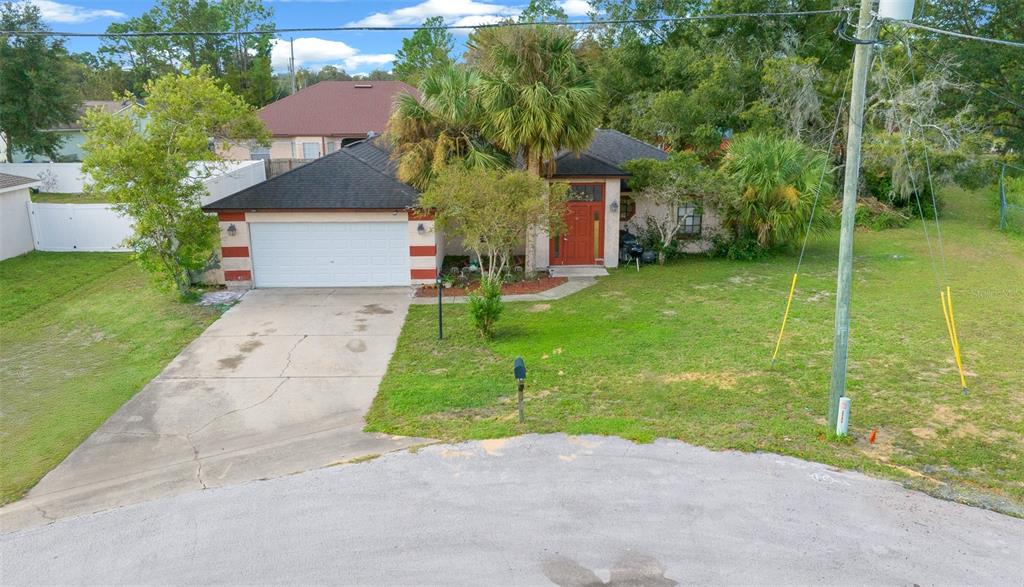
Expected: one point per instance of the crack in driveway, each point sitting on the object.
(288, 359)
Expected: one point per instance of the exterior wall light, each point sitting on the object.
(421, 229)
(232, 231)
(615, 206)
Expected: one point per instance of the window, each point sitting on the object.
(259, 152)
(310, 150)
(627, 208)
(689, 220)
(331, 146)
(586, 192)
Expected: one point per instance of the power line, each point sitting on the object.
(357, 28)
(912, 25)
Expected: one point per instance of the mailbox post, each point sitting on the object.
(440, 315)
(519, 370)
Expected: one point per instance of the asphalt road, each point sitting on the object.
(535, 510)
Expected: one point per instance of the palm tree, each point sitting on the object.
(778, 179)
(442, 127)
(535, 97)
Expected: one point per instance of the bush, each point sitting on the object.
(742, 248)
(649, 237)
(874, 214)
(778, 179)
(485, 306)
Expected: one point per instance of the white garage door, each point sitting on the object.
(329, 254)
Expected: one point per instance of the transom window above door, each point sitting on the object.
(586, 192)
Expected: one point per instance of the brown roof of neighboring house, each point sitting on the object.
(8, 181)
(334, 108)
(109, 106)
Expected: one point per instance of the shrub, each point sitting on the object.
(874, 214)
(778, 181)
(742, 248)
(485, 306)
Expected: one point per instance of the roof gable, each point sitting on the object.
(334, 108)
(340, 180)
(607, 153)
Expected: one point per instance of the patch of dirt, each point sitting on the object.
(723, 380)
(668, 312)
(519, 287)
(819, 296)
(924, 433)
(540, 308)
(493, 446)
(743, 279)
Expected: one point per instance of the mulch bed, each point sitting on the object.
(519, 287)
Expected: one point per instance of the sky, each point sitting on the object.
(355, 52)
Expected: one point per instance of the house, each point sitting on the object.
(346, 220)
(15, 224)
(70, 149)
(322, 118)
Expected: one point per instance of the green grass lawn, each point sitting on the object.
(80, 333)
(683, 351)
(66, 198)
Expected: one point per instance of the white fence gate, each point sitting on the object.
(78, 227)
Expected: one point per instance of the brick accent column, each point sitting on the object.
(423, 257)
(234, 249)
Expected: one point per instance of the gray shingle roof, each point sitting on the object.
(362, 176)
(12, 181)
(359, 176)
(605, 156)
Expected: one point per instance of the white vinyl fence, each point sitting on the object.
(78, 227)
(62, 178)
(98, 227)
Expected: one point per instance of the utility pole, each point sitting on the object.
(867, 30)
(291, 62)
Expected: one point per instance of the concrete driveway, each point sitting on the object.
(277, 385)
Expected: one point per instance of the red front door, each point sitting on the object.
(583, 241)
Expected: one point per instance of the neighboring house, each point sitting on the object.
(346, 220)
(70, 149)
(15, 224)
(322, 118)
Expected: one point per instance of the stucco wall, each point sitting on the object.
(15, 226)
(709, 224)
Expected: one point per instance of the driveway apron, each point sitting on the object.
(278, 385)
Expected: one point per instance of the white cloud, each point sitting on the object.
(313, 51)
(71, 14)
(576, 7)
(451, 10)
